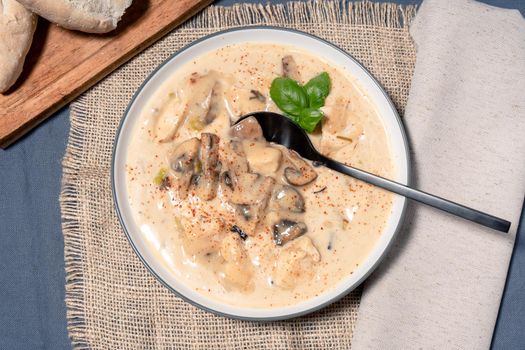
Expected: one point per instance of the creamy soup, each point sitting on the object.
(238, 219)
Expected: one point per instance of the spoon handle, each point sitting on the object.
(420, 196)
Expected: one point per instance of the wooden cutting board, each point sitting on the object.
(62, 64)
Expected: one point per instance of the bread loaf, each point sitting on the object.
(92, 16)
(17, 26)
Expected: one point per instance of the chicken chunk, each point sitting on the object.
(263, 159)
(236, 272)
(296, 263)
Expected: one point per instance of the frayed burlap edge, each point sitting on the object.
(388, 15)
(70, 209)
(366, 13)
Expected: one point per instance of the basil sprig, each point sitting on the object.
(301, 103)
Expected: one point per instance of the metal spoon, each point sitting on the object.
(279, 129)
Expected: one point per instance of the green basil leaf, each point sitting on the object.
(288, 95)
(317, 89)
(309, 118)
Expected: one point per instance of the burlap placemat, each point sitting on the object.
(112, 300)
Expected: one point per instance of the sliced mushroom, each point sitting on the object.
(286, 198)
(247, 129)
(226, 182)
(207, 180)
(234, 158)
(184, 155)
(286, 230)
(245, 211)
(297, 171)
(290, 69)
(182, 162)
(243, 235)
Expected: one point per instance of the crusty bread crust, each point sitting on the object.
(17, 26)
(92, 16)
